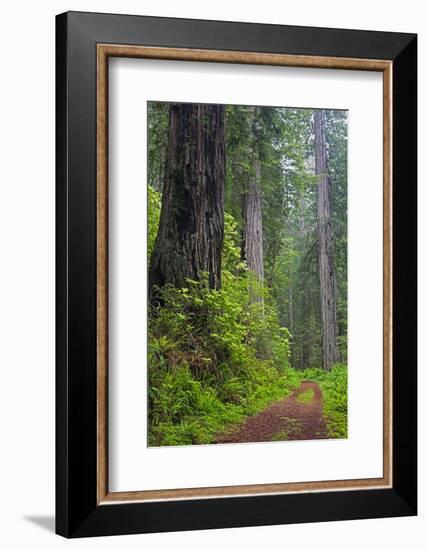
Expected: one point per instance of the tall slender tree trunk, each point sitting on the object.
(325, 254)
(252, 234)
(290, 304)
(307, 333)
(191, 226)
(252, 244)
(291, 316)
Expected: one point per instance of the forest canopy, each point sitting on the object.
(247, 262)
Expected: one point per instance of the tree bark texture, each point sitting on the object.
(325, 254)
(252, 243)
(252, 233)
(191, 226)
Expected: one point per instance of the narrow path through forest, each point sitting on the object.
(298, 416)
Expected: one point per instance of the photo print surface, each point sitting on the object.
(247, 274)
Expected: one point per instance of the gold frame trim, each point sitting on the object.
(104, 51)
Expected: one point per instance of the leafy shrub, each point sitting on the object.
(335, 392)
(153, 208)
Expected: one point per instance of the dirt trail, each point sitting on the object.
(289, 419)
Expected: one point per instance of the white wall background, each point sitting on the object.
(27, 272)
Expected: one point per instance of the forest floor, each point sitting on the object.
(297, 417)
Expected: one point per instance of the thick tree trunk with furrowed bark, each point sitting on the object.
(325, 253)
(191, 226)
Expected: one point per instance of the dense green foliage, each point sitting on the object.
(213, 358)
(217, 356)
(153, 206)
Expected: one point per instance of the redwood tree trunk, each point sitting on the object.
(325, 254)
(252, 242)
(191, 226)
(252, 233)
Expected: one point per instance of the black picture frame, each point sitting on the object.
(77, 511)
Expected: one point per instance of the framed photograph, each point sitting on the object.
(236, 274)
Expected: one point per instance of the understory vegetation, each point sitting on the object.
(213, 358)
